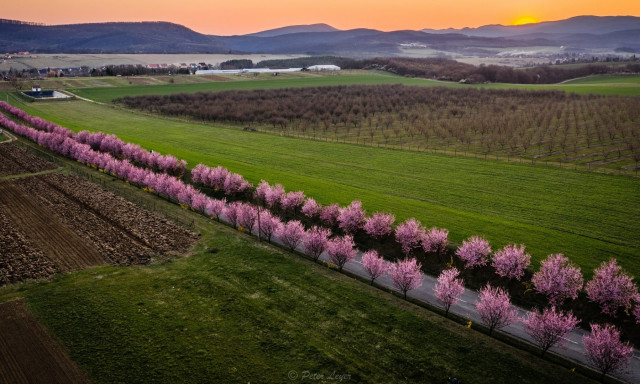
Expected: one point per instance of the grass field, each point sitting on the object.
(105, 89)
(250, 82)
(252, 313)
(590, 217)
(607, 80)
(630, 87)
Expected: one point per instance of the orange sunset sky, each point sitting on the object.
(246, 16)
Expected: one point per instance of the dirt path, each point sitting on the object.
(9, 135)
(28, 354)
(59, 243)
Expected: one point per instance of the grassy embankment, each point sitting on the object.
(587, 216)
(254, 313)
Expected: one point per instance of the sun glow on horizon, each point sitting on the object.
(525, 20)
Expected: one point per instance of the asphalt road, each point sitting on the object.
(573, 348)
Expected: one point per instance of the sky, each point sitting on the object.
(233, 17)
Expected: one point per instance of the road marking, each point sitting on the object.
(569, 340)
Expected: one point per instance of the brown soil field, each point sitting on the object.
(121, 232)
(19, 259)
(28, 354)
(215, 77)
(144, 227)
(60, 244)
(53, 223)
(15, 160)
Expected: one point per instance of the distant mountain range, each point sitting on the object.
(596, 25)
(577, 34)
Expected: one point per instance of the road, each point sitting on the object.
(572, 350)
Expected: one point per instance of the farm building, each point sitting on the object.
(323, 68)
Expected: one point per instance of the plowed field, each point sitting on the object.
(28, 354)
(15, 160)
(61, 245)
(54, 223)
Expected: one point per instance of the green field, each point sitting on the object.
(104, 94)
(108, 93)
(251, 313)
(589, 217)
(607, 80)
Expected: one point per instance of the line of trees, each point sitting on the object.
(557, 279)
(102, 142)
(451, 70)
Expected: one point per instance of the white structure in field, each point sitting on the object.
(252, 70)
(323, 68)
(267, 70)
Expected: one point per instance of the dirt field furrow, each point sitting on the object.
(116, 247)
(11, 371)
(28, 354)
(52, 223)
(59, 243)
(15, 160)
(19, 259)
(8, 166)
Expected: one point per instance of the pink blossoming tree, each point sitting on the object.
(351, 218)
(409, 235)
(215, 207)
(291, 234)
(549, 327)
(375, 265)
(558, 279)
(494, 307)
(611, 288)
(406, 275)
(311, 208)
(436, 240)
(247, 216)
(268, 224)
(449, 288)
(329, 214)
(274, 195)
(379, 224)
(316, 241)
(231, 213)
(474, 252)
(605, 350)
(292, 200)
(341, 250)
(511, 261)
(261, 191)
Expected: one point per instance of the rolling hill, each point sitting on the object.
(143, 37)
(295, 29)
(579, 34)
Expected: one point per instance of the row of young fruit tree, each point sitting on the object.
(263, 210)
(590, 130)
